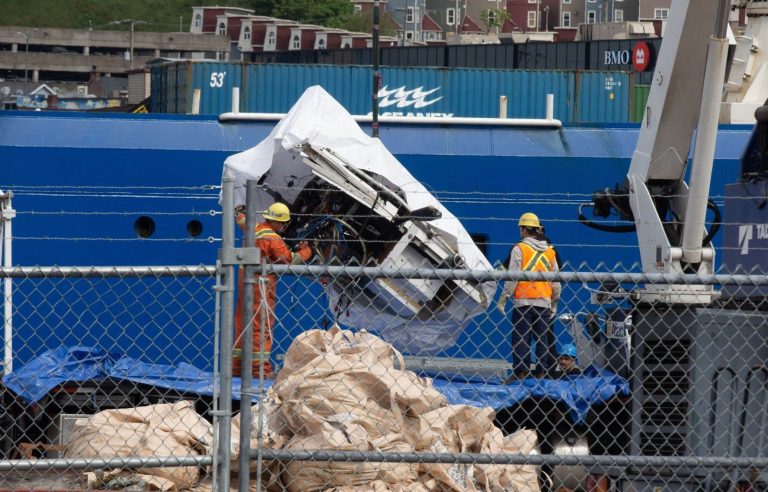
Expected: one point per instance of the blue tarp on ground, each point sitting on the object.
(77, 364)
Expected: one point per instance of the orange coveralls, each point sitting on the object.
(274, 250)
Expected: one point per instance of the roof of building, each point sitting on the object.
(509, 26)
(470, 25)
(428, 24)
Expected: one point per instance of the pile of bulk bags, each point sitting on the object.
(338, 390)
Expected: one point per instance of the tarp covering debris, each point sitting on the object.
(78, 364)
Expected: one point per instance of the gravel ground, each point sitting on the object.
(39, 480)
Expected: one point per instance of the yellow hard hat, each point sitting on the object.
(278, 212)
(529, 220)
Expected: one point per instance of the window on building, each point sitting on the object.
(409, 15)
(618, 15)
(198, 20)
(662, 14)
(321, 43)
(222, 28)
(591, 17)
(296, 42)
(246, 32)
(532, 18)
(347, 46)
(450, 16)
(566, 1)
(408, 34)
(357, 7)
(566, 19)
(271, 38)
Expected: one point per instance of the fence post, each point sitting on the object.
(246, 361)
(7, 213)
(227, 306)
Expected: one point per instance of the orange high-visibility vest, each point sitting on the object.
(535, 261)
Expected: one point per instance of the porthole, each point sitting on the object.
(194, 228)
(144, 226)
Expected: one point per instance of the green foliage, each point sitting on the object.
(328, 13)
(164, 15)
(160, 15)
(493, 18)
(363, 22)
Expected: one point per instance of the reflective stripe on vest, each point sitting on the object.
(535, 261)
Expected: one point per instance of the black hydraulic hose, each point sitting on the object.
(604, 227)
(716, 221)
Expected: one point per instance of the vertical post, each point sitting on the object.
(246, 362)
(538, 15)
(7, 214)
(181, 23)
(131, 49)
(235, 100)
(26, 57)
(456, 18)
(26, 53)
(264, 318)
(376, 71)
(502, 107)
(196, 101)
(227, 323)
(550, 107)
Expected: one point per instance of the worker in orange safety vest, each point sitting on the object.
(534, 302)
(273, 250)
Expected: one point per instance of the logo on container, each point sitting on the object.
(745, 235)
(641, 56)
(409, 100)
(403, 97)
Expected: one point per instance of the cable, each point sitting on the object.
(604, 227)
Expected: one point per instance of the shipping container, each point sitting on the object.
(608, 55)
(638, 101)
(603, 97)
(174, 85)
(406, 91)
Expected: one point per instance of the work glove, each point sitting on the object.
(552, 309)
(240, 215)
(501, 306)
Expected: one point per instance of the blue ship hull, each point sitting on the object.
(81, 181)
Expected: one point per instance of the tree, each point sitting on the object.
(363, 22)
(262, 7)
(328, 13)
(493, 18)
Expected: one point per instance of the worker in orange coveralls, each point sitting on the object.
(273, 250)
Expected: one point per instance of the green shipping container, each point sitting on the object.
(639, 98)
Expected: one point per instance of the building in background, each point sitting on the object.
(410, 15)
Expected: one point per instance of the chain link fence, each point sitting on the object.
(385, 377)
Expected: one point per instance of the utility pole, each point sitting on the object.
(538, 15)
(132, 23)
(376, 72)
(26, 53)
(181, 23)
(456, 18)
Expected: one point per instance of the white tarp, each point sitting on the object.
(320, 120)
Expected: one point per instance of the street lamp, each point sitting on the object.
(26, 53)
(132, 22)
